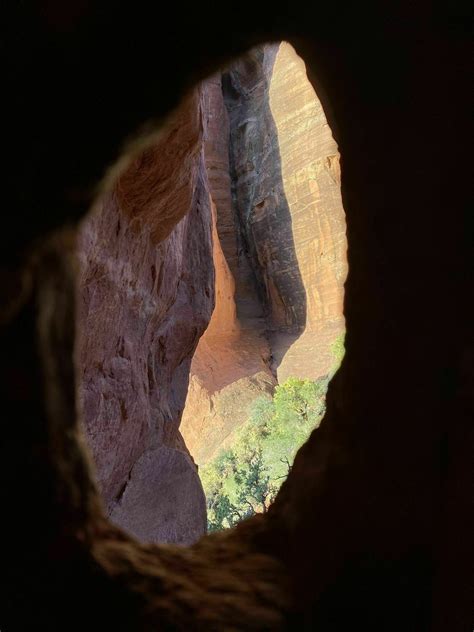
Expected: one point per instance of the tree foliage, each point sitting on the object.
(244, 479)
(338, 350)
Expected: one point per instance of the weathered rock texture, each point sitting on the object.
(145, 296)
(231, 366)
(229, 370)
(285, 166)
(374, 526)
(274, 176)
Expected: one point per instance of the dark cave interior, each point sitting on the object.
(373, 526)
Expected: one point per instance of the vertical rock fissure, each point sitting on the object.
(261, 209)
(246, 252)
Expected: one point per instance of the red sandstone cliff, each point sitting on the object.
(279, 248)
(146, 295)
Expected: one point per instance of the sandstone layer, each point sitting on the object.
(279, 247)
(285, 165)
(146, 294)
(231, 366)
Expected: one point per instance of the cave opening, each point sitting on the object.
(221, 254)
(372, 528)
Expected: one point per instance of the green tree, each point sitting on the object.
(244, 479)
(338, 350)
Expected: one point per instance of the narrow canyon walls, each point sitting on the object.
(146, 294)
(279, 247)
(249, 167)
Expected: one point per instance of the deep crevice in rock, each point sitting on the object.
(267, 147)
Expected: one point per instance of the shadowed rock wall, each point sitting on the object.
(146, 294)
(285, 166)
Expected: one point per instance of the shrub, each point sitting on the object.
(338, 350)
(244, 479)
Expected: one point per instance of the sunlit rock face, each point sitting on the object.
(231, 365)
(146, 295)
(285, 166)
(279, 244)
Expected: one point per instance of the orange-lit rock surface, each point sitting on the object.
(310, 173)
(231, 365)
(279, 247)
(146, 294)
